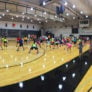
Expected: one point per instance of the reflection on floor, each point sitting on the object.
(52, 59)
(63, 79)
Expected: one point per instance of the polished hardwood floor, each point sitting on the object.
(19, 66)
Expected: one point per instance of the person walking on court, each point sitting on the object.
(80, 48)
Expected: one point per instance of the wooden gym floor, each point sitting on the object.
(86, 83)
(27, 66)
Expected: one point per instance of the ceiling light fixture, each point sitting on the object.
(55, 16)
(3, 14)
(73, 17)
(45, 13)
(31, 9)
(81, 12)
(40, 22)
(17, 16)
(7, 10)
(46, 21)
(35, 15)
(65, 3)
(44, 3)
(63, 19)
(74, 6)
(86, 16)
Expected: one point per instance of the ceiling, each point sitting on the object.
(47, 12)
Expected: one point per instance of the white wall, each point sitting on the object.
(58, 28)
(85, 31)
(59, 31)
(24, 26)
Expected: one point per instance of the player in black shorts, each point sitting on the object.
(5, 42)
(20, 44)
(34, 46)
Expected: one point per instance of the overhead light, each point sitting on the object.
(40, 22)
(17, 16)
(73, 17)
(74, 6)
(81, 12)
(35, 15)
(55, 16)
(31, 9)
(65, 3)
(44, 3)
(63, 19)
(7, 10)
(67, 14)
(60, 86)
(86, 16)
(45, 13)
(3, 14)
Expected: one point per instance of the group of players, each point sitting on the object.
(50, 42)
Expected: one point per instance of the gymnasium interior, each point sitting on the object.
(45, 45)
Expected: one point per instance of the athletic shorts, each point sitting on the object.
(56, 43)
(25, 40)
(5, 41)
(52, 43)
(75, 42)
(34, 48)
(20, 45)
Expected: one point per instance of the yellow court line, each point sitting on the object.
(86, 82)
